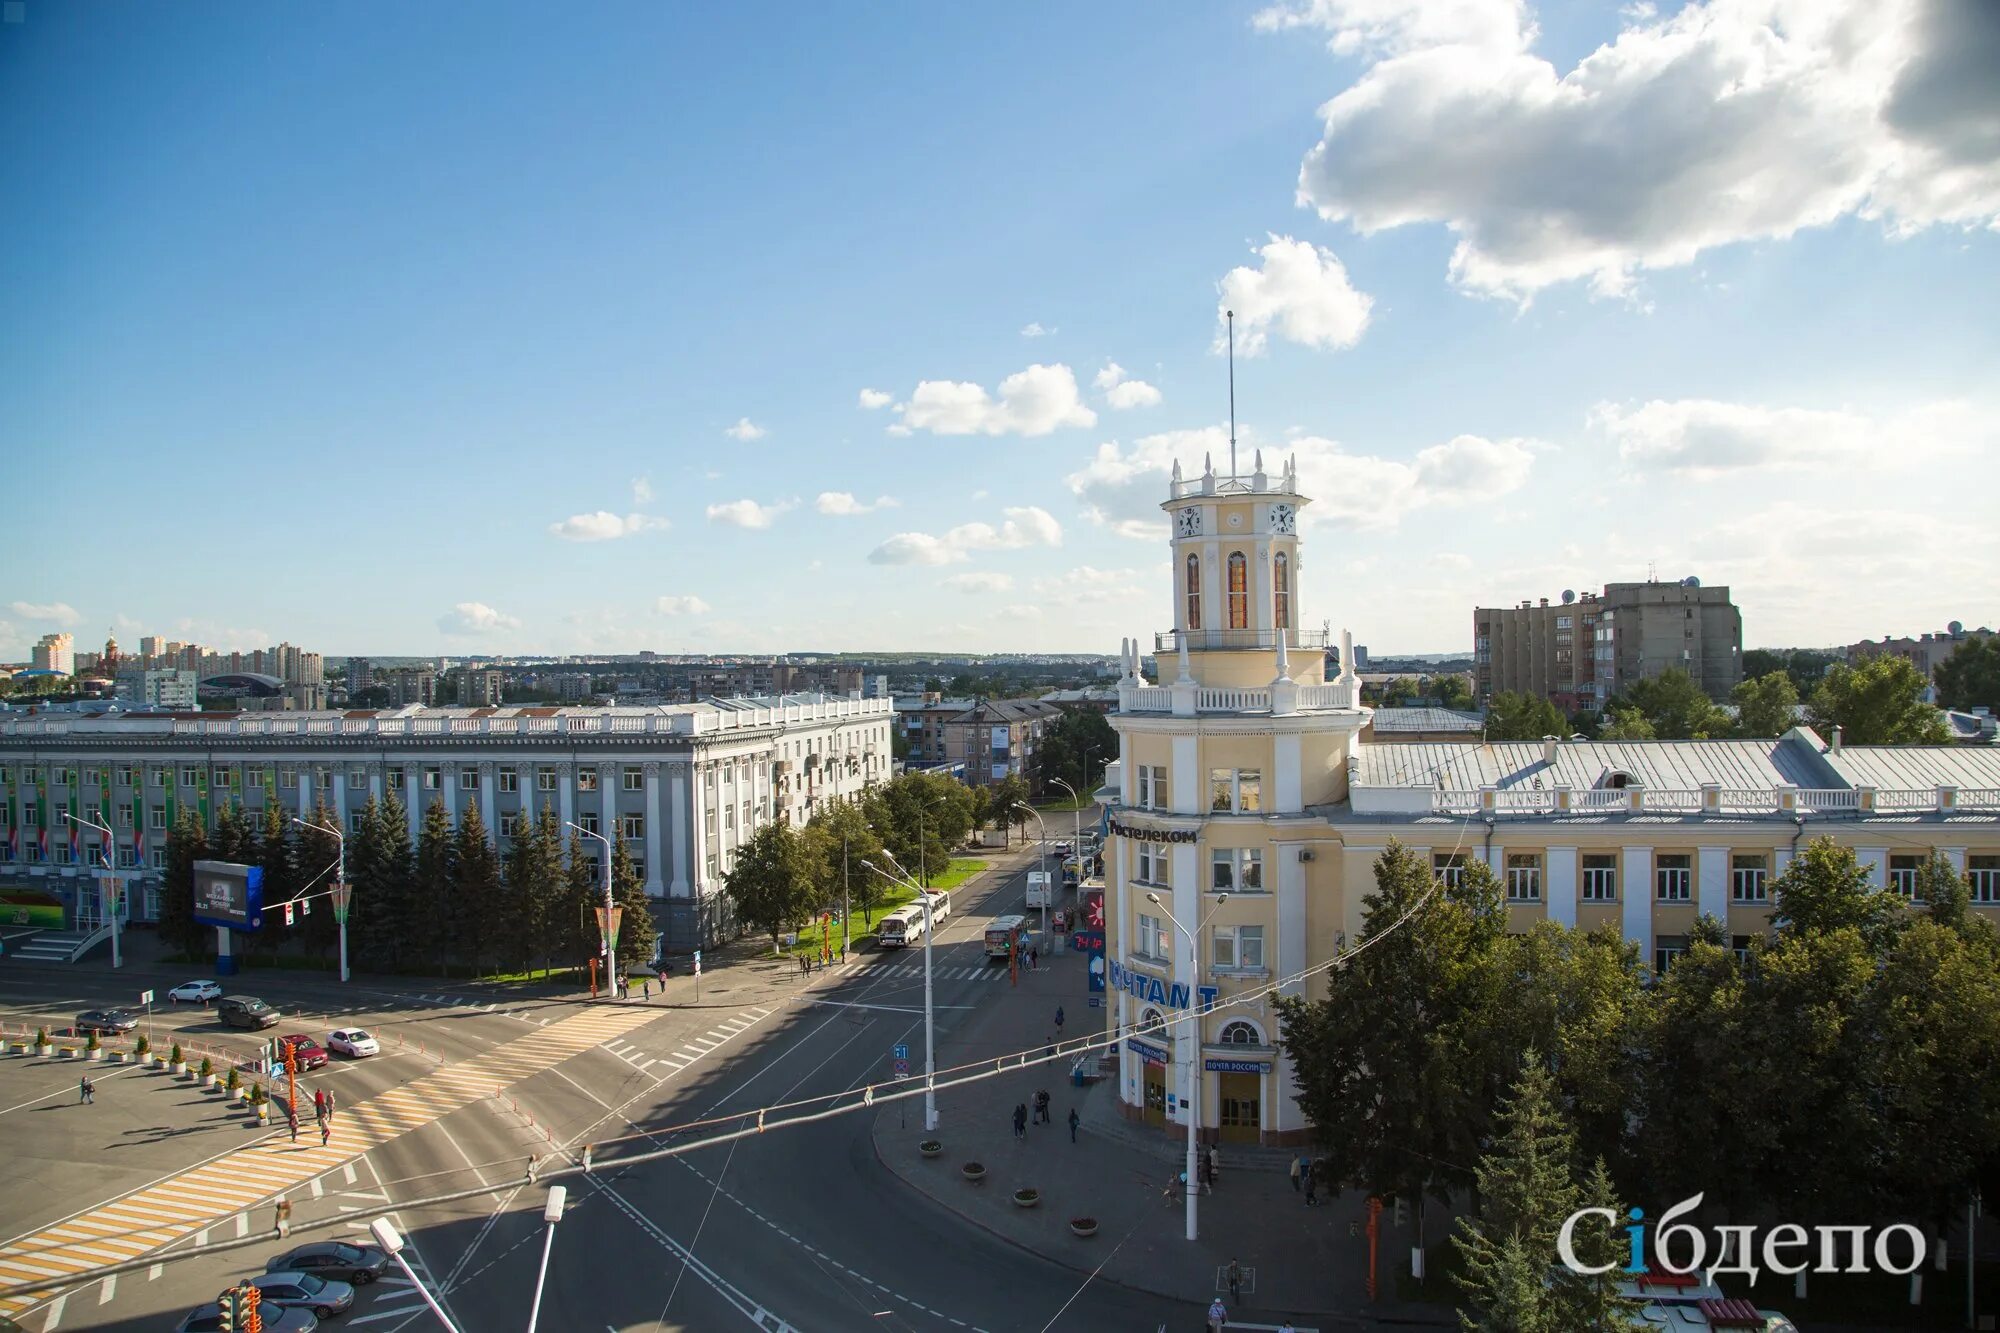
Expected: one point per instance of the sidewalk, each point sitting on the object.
(1302, 1263)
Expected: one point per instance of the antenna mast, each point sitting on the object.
(1231, 315)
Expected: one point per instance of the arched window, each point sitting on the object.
(1239, 591)
(1151, 1024)
(1281, 590)
(1193, 591)
(1241, 1034)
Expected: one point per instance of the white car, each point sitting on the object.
(354, 1043)
(198, 992)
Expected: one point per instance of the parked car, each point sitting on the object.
(357, 1264)
(354, 1043)
(277, 1319)
(306, 1053)
(295, 1290)
(245, 1011)
(106, 1022)
(196, 992)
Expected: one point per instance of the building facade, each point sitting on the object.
(1926, 652)
(996, 739)
(1544, 650)
(1249, 775)
(684, 786)
(54, 652)
(1582, 651)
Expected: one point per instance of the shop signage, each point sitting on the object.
(1119, 830)
(1151, 1054)
(1154, 991)
(1219, 1066)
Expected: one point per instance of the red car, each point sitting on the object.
(308, 1053)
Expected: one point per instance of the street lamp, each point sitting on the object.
(930, 1026)
(340, 889)
(109, 838)
(923, 845)
(1047, 886)
(610, 965)
(1076, 809)
(552, 1212)
(387, 1237)
(1193, 1064)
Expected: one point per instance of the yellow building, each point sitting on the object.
(1247, 774)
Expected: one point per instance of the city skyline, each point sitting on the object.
(433, 371)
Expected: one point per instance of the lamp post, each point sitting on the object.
(110, 838)
(552, 1212)
(1047, 887)
(930, 1026)
(1193, 1065)
(389, 1239)
(610, 962)
(923, 844)
(340, 890)
(1076, 804)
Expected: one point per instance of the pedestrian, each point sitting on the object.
(1074, 1121)
(1312, 1187)
(292, 1116)
(284, 1217)
(329, 1108)
(663, 981)
(1218, 1318)
(1020, 1121)
(325, 1133)
(1285, 1327)
(84, 1092)
(319, 1103)
(1206, 1170)
(1235, 1282)
(1034, 958)
(1214, 1165)
(645, 988)
(1059, 1020)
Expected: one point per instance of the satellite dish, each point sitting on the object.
(1957, 627)
(1569, 595)
(1690, 582)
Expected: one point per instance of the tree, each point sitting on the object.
(1879, 702)
(430, 888)
(1522, 717)
(771, 884)
(473, 919)
(535, 882)
(1624, 724)
(920, 817)
(282, 882)
(1451, 691)
(636, 931)
(1970, 677)
(186, 844)
(1398, 692)
(1009, 795)
(378, 863)
(1674, 703)
(1762, 662)
(839, 840)
(1766, 705)
(313, 851)
(1825, 889)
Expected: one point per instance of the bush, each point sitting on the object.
(144, 1045)
(177, 1058)
(93, 1044)
(257, 1094)
(234, 1081)
(41, 1036)
(207, 1067)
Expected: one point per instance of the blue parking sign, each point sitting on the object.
(902, 1050)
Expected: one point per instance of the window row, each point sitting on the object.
(1750, 876)
(1238, 590)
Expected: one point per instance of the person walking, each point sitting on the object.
(1020, 1120)
(1214, 1165)
(319, 1103)
(329, 1108)
(1295, 1174)
(85, 1092)
(284, 1218)
(1034, 958)
(325, 1132)
(1312, 1187)
(1074, 1121)
(1218, 1317)
(1235, 1282)
(292, 1118)
(1205, 1172)
(1059, 1020)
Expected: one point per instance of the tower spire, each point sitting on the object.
(1231, 316)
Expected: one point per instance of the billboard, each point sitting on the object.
(229, 895)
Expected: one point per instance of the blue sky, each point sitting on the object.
(493, 328)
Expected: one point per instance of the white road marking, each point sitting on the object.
(55, 1313)
(108, 1289)
(153, 1273)
(348, 1171)
(242, 1225)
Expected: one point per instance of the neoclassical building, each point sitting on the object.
(1244, 769)
(684, 785)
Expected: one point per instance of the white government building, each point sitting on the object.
(1246, 771)
(684, 785)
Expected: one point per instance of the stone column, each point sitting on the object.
(677, 802)
(414, 799)
(1711, 891)
(565, 796)
(1636, 893)
(1560, 886)
(489, 780)
(653, 816)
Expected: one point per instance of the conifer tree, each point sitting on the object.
(473, 919)
(314, 850)
(430, 887)
(636, 931)
(186, 844)
(281, 881)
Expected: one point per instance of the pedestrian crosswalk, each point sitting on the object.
(660, 1066)
(915, 971)
(211, 1194)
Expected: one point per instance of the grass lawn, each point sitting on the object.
(895, 895)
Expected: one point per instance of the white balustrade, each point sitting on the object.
(1599, 798)
(1827, 799)
(1893, 798)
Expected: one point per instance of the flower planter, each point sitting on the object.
(930, 1147)
(97, 1054)
(180, 1067)
(118, 1057)
(1083, 1226)
(1027, 1198)
(208, 1082)
(69, 1052)
(263, 1113)
(45, 1051)
(973, 1171)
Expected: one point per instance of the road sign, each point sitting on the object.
(145, 997)
(697, 962)
(902, 1069)
(902, 1050)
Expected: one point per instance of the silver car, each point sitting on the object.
(208, 1319)
(295, 1290)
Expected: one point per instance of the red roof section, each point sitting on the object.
(1732, 1314)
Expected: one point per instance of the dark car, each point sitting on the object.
(306, 1053)
(245, 1011)
(359, 1264)
(324, 1296)
(106, 1022)
(277, 1319)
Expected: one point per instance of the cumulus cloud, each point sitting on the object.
(1121, 391)
(470, 618)
(748, 513)
(1087, 586)
(1121, 488)
(979, 582)
(1301, 291)
(874, 398)
(746, 430)
(681, 606)
(57, 613)
(1034, 401)
(1023, 527)
(1704, 438)
(1722, 122)
(1033, 329)
(843, 504)
(604, 526)
(642, 490)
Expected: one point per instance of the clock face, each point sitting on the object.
(1188, 522)
(1236, 520)
(1283, 518)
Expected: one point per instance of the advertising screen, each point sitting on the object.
(227, 894)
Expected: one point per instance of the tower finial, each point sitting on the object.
(1231, 315)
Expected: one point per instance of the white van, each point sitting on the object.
(940, 906)
(902, 927)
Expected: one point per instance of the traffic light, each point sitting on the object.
(253, 1319)
(227, 1303)
(288, 914)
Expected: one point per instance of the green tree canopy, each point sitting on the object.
(1523, 717)
(1674, 703)
(838, 839)
(1879, 702)
(636, 928)
(1766, 705)
(186, 844)
(920, 818)
(430, 887)
(1826, 889)
(772, 884)
(1625, 724)
(475, 921)
(1970, 677)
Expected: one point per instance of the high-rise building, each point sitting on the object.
(1541, 650)
(1582, 651)
(412, 686)
(360, 674)
(56, 652)
(151, 647)
(169, 689)
(480, 689)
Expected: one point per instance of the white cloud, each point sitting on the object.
(979, 582)
(467, 618)
(746, 430)
(1122, 488)
(1034, 401)
(1122, 392)
(1301, 291)
(748, 513)
(1704, 438)
(58, 613)
(604, 526)
(681, 606)
(843, 503)
(642, 490)
(1722, 122)
(1086, 586)
(874, 398)
(1024, 527)
(1033, 329)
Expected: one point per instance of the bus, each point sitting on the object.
(904, 926)
(940, 905)
(1003, 935)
